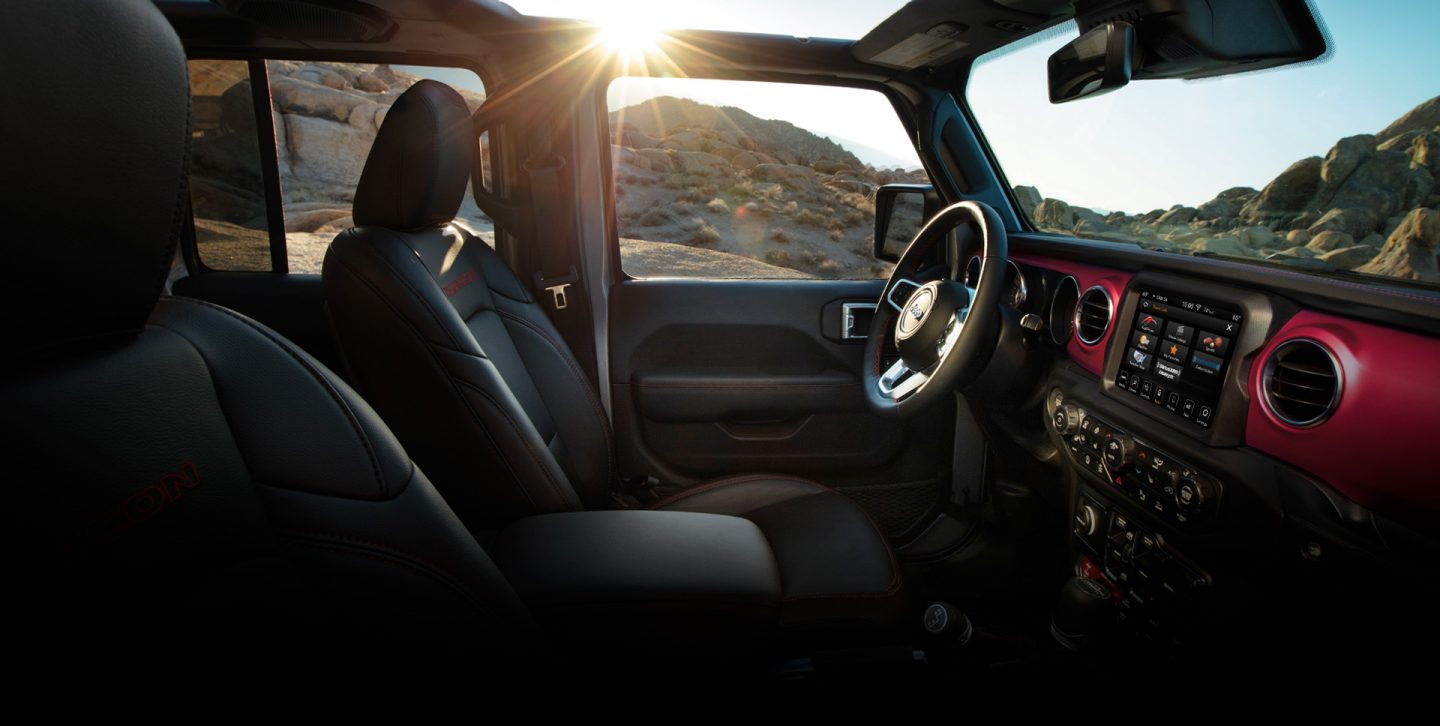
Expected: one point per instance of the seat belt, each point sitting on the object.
(551, 254)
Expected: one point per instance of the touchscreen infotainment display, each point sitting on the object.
(1176, 353)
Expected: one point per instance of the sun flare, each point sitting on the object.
(629, 36)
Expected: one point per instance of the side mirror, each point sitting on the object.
(900, 212)
(1095, 63)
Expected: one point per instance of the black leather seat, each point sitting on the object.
(452, 349)
(181, 477)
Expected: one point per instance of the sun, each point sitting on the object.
(629, 36)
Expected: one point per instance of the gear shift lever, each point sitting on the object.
(1083, 615)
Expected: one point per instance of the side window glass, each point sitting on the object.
(227, 190)
(740, 179)
(326, 117)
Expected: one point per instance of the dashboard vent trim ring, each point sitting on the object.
(1306, 393)
(1055, 298)
(1081, 315)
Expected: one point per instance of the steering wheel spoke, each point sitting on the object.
(910, 285)
(900, 381)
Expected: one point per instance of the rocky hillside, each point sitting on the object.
(1369, 205)
(722, 179)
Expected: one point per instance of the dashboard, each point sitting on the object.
(1211, 428)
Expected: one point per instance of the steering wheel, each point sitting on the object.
(942, 329)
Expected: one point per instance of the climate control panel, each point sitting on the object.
(1162, 484)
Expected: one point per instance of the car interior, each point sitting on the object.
(399, 329)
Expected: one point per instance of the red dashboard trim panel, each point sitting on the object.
(1377, 446)
(1114, 282)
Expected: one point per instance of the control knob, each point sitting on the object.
(1066, 419)
(1118, 452)
(1193, 494)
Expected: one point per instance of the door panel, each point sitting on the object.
(717, 377)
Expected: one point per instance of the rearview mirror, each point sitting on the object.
(1097, 62)
(900, 211)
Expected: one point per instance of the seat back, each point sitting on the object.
(447, 344)
(182, 477)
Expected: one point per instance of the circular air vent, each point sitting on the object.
(1092, 315)
(1302, 382)
(1062, 308)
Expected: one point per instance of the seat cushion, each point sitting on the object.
(837, 572)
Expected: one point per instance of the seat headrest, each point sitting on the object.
(97, 148)
(417, 170)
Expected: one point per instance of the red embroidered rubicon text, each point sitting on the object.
(149, 501)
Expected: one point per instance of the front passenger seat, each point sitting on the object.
(452, 349)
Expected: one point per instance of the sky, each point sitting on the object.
(1149, 145)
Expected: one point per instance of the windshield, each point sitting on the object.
(1331, 167)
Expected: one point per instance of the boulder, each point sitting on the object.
(298, 97)
(701, 163)
(1257, 237)
(326, 151)
(1286, 195)
(1029, 198)
(1410, 252)
(749, 160)
(1178, 214)
(321, 76)
(368, 116)
(1054, 214)
(370, 83)
(1087, 214)
(1344, 158)
(313, 220)
(826, 166)
(1424, 116)
(1348, 257)
(1095, 228)
(1298, 236)
(1423, 147)
(1218, 207)
(1381, 185)
(637, 140)
(659, 160)
(857, 186)
(786, 174)
(1355, 222)
(1228, 246)
(1298, 251)
(1330, 240)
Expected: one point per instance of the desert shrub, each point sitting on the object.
(853, 218)
(691, 194)
(778, 257)
(780, 237)
(810, 218)
(742, 189)
(705, 234)
(655, 217)
(772, 192)
(683, 207)
(855, 200)
(836, 234)
(790, 207)
(828, 268)
(717, 206)
(675, 181)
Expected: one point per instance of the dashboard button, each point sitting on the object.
(1168, 371)
(1179, 332)
(1187, 409)
(1149, 323)
(1213, 343)
(1174, 352)
(1122, 377)
(1144, 341)
(1136, 358)
(1172, 401)
(1203, 416)
(1135, 383)
(1146, 388)
(1207, 364)
(1159, 396)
